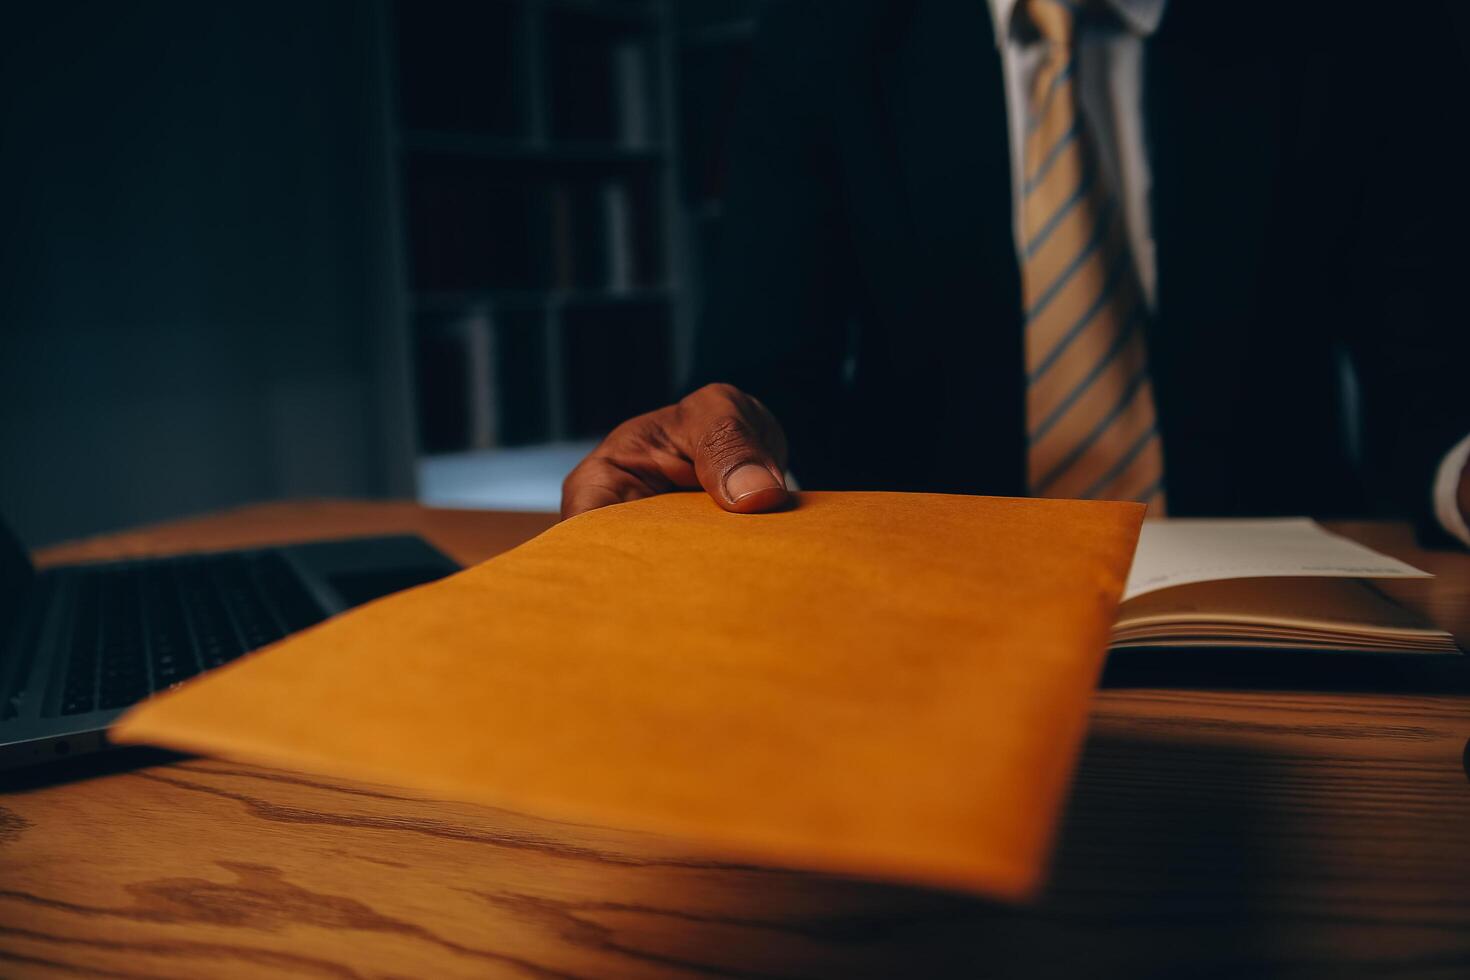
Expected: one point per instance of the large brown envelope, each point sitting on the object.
(887, 685)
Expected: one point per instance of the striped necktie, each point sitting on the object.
(1089, 404)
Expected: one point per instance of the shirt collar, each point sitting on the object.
(1139, 16)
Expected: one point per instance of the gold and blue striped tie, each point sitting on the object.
(1089, 404)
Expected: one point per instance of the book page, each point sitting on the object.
(1178, 552)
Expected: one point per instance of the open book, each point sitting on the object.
(1268, 584)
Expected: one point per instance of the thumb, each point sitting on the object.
(738, 464)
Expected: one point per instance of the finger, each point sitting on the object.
(599, 481)
(582, 498)
(737, 465)
(637, 459)
(717, 438)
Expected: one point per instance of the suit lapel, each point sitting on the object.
(1214, 112)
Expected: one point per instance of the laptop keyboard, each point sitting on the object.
(139, 629)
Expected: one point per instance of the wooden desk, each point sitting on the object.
(1211, 832)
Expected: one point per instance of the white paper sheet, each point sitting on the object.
(1177, 552)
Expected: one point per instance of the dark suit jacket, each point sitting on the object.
(1308, 203)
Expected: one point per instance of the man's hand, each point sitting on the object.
(718, 438)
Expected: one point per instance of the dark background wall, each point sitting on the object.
(196, 261)
(216, 282)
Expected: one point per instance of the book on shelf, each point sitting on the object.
(632, 97)
(455, 361)
(594, 228)
(479, 341)
(522, 371)
(617, 227)
(483, 379)
(564, 271)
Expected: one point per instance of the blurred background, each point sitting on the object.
(409, 248)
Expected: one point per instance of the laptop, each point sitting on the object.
(81, 643)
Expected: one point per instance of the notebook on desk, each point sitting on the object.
(1279, 584)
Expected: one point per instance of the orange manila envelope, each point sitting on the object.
(880, 684)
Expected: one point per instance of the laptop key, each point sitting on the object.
(214, 632)
(256, 625)
(79, 691)
(171, 652)
(123, 677)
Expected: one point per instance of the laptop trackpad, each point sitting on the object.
(355, 588)
(352, 571)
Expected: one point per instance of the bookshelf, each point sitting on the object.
(559, 174)
(535, 155)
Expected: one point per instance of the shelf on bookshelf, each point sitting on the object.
(739, 30)
(453, 301)
(512, 150)
(639, 14)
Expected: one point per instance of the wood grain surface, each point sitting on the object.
(1261, 817)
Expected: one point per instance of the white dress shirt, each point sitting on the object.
(1109, 78)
